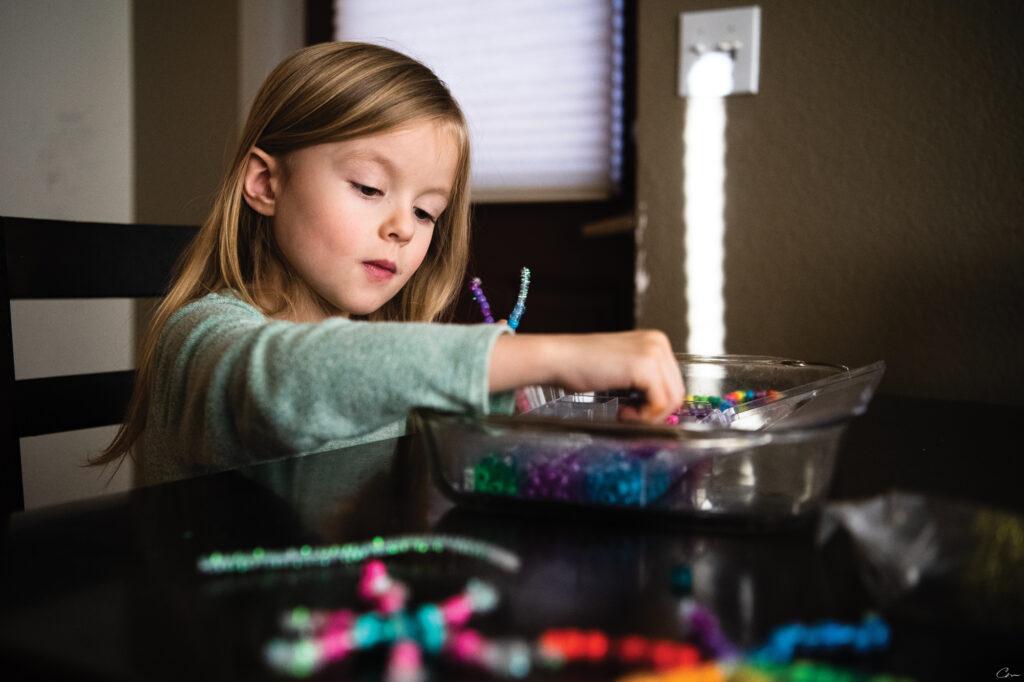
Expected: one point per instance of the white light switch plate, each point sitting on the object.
(736, 31)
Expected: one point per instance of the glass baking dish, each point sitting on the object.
(757, 439)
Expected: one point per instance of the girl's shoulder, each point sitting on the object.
(219, 303)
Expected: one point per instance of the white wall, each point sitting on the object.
(66, 136)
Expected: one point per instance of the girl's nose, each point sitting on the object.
(399, 226)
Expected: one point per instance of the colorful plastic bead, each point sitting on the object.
(496, 476)
(787, 641)
(558, 478)
(682, 580)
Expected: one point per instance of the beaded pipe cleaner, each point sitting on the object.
(478, 296)
(475, 286)
(520, 306)
(313, 640)
(354, 553)
(786, 641)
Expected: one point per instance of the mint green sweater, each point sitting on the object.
(233, 387)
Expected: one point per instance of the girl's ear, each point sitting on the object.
(258, 187)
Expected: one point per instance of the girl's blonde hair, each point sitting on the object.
(324, 93)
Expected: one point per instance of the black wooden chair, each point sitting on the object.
(53, 259)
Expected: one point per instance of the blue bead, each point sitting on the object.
(878, 631)
(367, 631)
(682, 579)
(430, 622)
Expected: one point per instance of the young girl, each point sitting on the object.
(304, 314)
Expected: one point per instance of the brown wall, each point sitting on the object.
(186, 105)
(874, 194)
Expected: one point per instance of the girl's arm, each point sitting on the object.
(641, 360)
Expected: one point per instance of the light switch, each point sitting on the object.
(734, 32)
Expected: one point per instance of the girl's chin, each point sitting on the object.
(358, 308)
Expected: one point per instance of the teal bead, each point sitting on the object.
(431, 628)
(367, 631)
(682, 579)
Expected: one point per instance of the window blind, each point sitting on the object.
(540, 82)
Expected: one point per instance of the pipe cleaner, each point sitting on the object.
(475, 286)
(524, 287)
(705, 629)
(354, 553)
(314, 639)
(787, 641)
(478, 296)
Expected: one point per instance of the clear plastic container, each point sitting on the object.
(768, 457)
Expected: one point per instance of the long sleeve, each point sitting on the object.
(231, 386)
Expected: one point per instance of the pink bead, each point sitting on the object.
(393, 600)
(457, 610)
(374, 569)
(339, 620)
(374, 579)
(405, 655)
(465, 645)
(336, 644)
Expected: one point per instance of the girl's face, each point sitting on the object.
(354, 218)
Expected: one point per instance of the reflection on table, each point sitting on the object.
(109, 589)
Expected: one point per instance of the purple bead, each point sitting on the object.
(705, 629)
(555, 478)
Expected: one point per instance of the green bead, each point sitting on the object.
(300, 618)
(305, 657)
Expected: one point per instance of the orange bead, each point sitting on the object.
(633, 648)
(597, 645)
(663, 655)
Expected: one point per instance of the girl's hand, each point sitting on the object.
(641, 360)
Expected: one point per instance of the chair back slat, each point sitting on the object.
(78, 401)
(59, 259)
(67, 259)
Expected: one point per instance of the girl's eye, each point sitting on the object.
(423, 215)
(366, 190)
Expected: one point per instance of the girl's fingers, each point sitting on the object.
(628, 413)
(659, 379)
(666, 392)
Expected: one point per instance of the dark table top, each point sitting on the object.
(108, 588)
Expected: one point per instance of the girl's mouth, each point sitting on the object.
(380, 270)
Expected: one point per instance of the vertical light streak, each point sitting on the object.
(709, 80)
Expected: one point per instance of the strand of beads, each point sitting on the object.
(702, 406)
(376, 586)
(354, 553)
(508, 658)
(705, 672)
(786, 641)
(476, 287)
(478, 296)
(802, 671)
(559, 647)
(520, 306)
(703, 626)
(316, 639)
